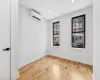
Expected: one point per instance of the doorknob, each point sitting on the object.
(6, 49)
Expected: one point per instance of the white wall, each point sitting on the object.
(65, 50)
(33, 37)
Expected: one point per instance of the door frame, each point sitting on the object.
(14, 18)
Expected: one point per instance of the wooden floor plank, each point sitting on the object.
(55, 68)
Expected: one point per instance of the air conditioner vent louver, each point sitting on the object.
(35, 14)
(36, 17)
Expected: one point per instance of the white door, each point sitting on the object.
(4, 39)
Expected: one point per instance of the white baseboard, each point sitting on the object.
(93, 78)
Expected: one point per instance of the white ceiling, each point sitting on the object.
(57, 7)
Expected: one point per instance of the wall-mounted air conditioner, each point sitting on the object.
(35, 14)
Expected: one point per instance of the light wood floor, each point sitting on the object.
(54, 68)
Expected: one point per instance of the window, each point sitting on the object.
(78, 31)
(56, 33)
